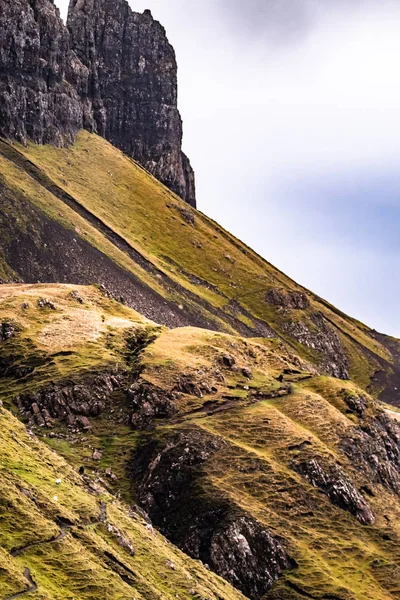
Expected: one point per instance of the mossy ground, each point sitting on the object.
(337, 556)
(82, 333)
(87, 563)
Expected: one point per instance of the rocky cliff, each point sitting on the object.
(133, 83)
(113, 72)
(42, 83)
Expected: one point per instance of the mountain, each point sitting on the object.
(111, 71)
(179, 418)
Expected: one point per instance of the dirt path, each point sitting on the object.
(64, 528)
(27, 573)
(32, 588)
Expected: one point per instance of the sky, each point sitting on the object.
(291, 121)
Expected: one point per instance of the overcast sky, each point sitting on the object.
(291, 116)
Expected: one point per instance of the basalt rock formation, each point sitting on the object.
(133, 85)
(204, 524)
(42, 83)
(113, 72)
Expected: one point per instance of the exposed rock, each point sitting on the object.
(356, 404)
(133, 85)
(287, 299)
(193, 385)
(246, 372)
(228, 360)
(75, 295)
(186, 213)
(375, 450)
(207, 526)
(97, 455)
(247, 555)
(7, 331)
(337, 486)
(71, 403)
(42, 83)
(122, 540)
(148, 403)
(46, 303)
(320, 336)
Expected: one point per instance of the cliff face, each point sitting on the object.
(133, 83)
(42, 84)
(113, 72)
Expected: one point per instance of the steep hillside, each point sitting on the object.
(284, 482)
(88, 214)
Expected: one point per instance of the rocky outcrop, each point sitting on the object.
(43, 86)
(71, 403)
(320, 336)
(170, 483)
(340, 490)
(374, 450)
(147, 403)
(113, 72)
(133, 84)
(7, 331)
(287, 299)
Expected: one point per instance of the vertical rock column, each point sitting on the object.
(41, 80)
(133, 87)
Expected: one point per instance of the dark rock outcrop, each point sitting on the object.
(318, 335)
(113, 72)
(340, 490)
(374, 450)
(148, 403)
(7, 331)
(287, 299)
(206, 525)
(42, 83)
(72, 403)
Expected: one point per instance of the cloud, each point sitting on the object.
(277, 21)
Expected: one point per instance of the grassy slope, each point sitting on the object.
(88, 562)
(337, 556)
(74, 338)
(82, 565)
(150, 218)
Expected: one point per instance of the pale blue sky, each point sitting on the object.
(291, 116)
